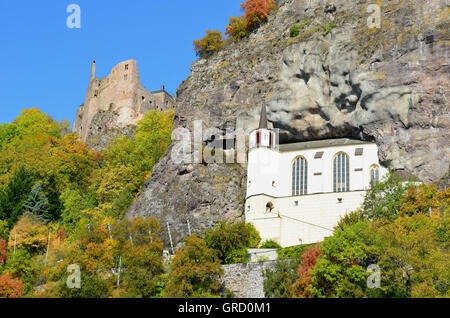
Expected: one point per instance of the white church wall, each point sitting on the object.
(310, 221)
(270, 171)
(309, 218)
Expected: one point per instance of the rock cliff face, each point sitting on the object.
(115, 104)
(337, 78)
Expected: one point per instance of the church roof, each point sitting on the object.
(263, 118)
(320, 144)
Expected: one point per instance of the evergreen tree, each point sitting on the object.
(37, 204)
(14, 196)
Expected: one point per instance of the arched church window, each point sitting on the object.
(269, 207)
(300, 176)
(374, 175)
(341, 173)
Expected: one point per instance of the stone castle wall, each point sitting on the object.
(246, 280)
(116, 102)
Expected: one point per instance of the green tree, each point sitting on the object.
(14, 196)
(383, 200)
(195, 271)
(141, 257)
(37, 204)
(231, 241)
(93, 285)
(341, 270)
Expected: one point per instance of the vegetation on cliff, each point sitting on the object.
(53, 185)
(256, 12)
(402, 231)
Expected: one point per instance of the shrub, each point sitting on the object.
(292, 252)
(279, 280)
(237, 28)
(270, 244)
(231, 240)
(236, 256)
(257, 12)
(208, 45)
(326, 28)
(295, 30)
(349, 219)
(92, 286)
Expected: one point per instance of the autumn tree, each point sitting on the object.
(209, 44)
(301, 288)
(10, 287)
(236, 28)
(3, 251)
(29, 234)
(412, 253)
(257, 12)
(195, 271)
(141, 251)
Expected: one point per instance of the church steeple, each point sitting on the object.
(263, 136)
(263, 118)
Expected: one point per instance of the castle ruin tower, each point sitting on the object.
(92, 71)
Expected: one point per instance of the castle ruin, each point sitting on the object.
(115, 104)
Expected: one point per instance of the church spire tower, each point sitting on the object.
(263, 118)
(263, 136)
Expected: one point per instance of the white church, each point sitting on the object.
(297, 193)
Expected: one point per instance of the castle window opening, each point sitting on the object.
(126, 66)
(125, 77)
(258, 137)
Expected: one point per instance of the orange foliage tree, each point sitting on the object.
(309, 259)
(10, 288)
(257, 11)
(212, 42)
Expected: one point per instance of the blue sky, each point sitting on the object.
(46, 65)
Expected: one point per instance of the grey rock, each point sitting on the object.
(379, 85)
